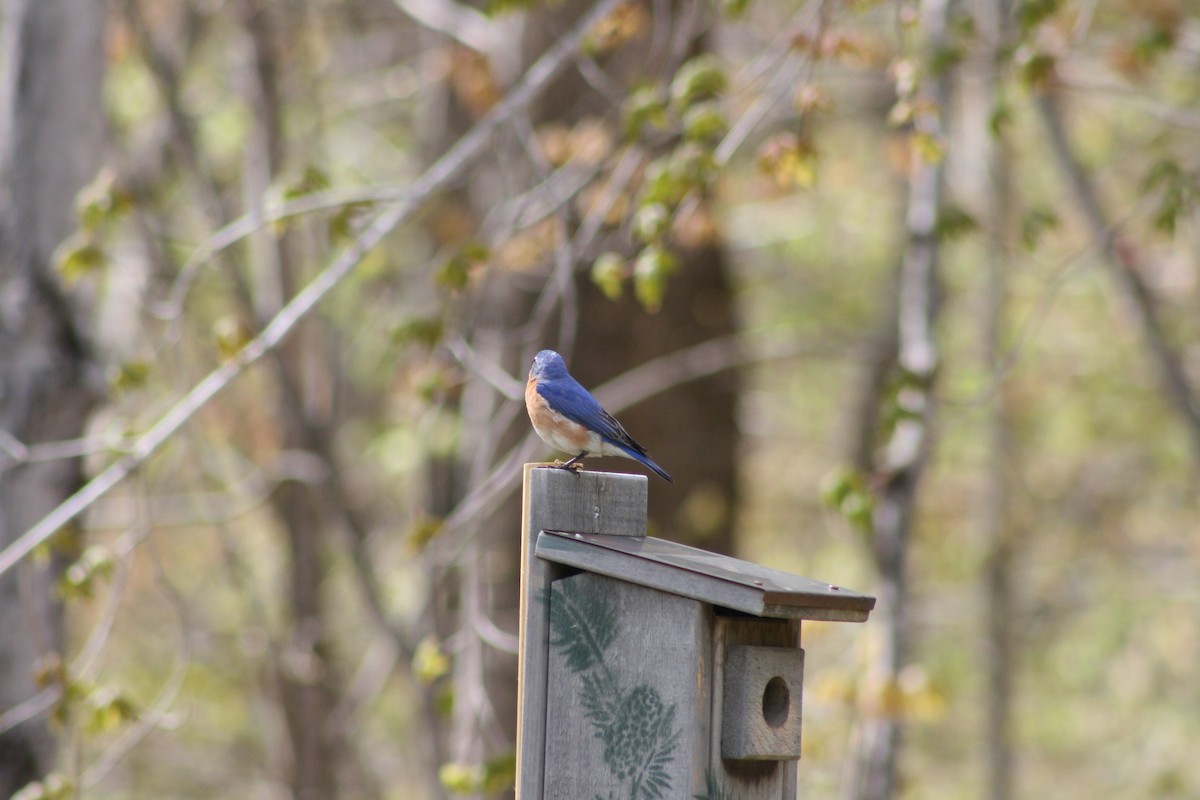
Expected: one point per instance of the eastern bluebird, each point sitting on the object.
(569, 419)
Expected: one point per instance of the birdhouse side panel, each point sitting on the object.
(740, 637)
(629, 688)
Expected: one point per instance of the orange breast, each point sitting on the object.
(555, 429)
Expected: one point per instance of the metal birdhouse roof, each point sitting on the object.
(711, 578)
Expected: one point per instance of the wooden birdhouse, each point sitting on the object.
(651, 670)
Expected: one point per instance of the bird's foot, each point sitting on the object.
(575, 465)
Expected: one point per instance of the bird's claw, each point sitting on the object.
(574, 466)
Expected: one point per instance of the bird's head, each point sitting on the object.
(548, 365)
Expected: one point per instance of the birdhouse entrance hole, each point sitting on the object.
(649, 668)
(775, 702)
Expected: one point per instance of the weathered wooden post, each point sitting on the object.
(650, 670)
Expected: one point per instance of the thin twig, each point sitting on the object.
(445, 170)
(461, 22)
(250, 223)
(19, 453)
(489, 371)
(156, 716)
(649, 379)
(1122, 263)
(783, 79)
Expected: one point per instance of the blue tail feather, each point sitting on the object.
(645, 461)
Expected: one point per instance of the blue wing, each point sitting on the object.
(576, 403)
(569, 398)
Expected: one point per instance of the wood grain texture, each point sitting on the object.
(629, 690)
(712, 578)
(598, 502)
(761, 694)
(748, 780)
(589, 502)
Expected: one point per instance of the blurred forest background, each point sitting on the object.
(904, 294)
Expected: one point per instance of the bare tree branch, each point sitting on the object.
(625, 390)
(461, 22)
(1122, 262)
(443, 172)
(156, 716)
(783, 80)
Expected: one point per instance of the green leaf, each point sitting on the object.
(1001, 117)
(945, 58)
(496, 8)
(500, 773)
(1031, 13)
(49, 670)
(455, 274)
(609, 272)
(704, 122)
(429, 662)
(100, 201)
(425, 331)
(443, 702)
(78, 580)
(699, 78)
(1036, 223)
(954, 221)
(130, 375)
(1152, 43)
(845, 491)
(644, 107)
(1036, 69)
(230, 336)
(459, 778)
(313, 179)
(109, 710)
(651, 270)
(422, 531)
(78, 256)
(928, 147)
(341, 223)
(1178, 192)
(66, 541)
(790, 160)
(662, 183)
(694, 164)
(651, 222)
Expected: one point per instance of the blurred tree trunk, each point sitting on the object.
(305, 370)
(989, 163)
(49, 148)
(902, 463)
(615, 336)
(600, 339)
(307, 508)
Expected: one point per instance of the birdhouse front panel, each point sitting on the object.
(628, 694)
(651, 670)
